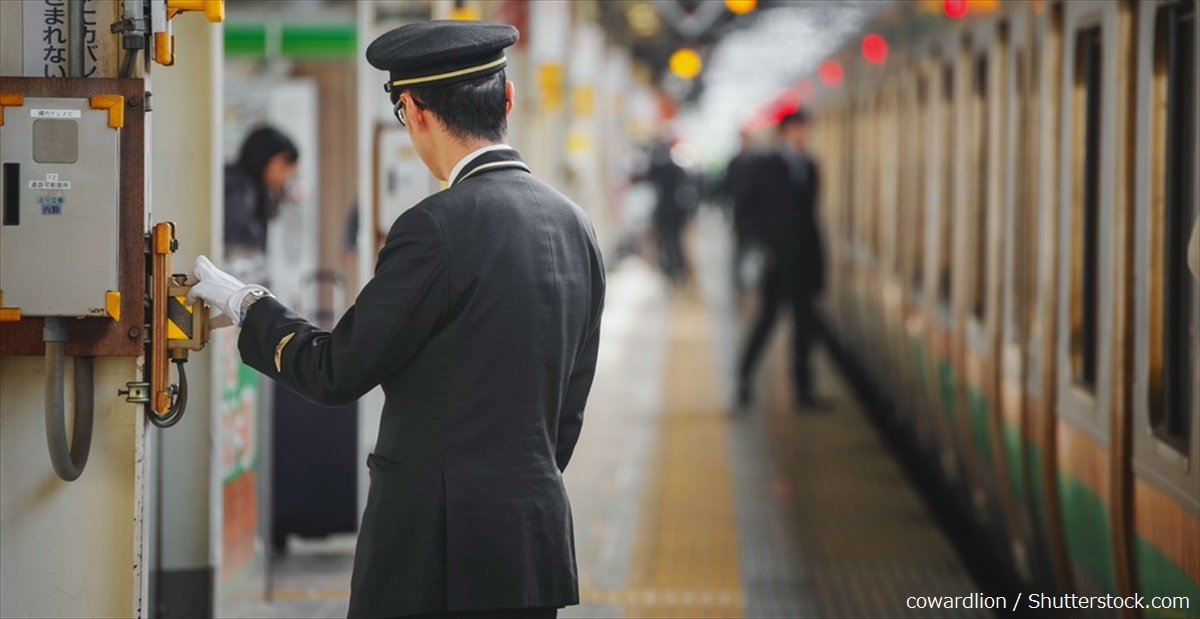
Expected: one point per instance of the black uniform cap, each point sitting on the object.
(437, 52)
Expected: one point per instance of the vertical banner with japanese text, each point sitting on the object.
(47, 32)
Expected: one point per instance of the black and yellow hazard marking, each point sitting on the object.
(179, 319)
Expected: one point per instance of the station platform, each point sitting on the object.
(684, 508)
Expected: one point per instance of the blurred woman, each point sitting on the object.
(255, 187)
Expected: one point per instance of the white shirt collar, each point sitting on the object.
(462, 163)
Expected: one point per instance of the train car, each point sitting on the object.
(1010, 197)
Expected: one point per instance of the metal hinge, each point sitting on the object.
(137, 392)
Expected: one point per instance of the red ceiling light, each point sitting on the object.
(786, 102)
(954, 9)
(874, 48)
(830, 73)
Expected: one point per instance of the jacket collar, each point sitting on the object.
(499, 159)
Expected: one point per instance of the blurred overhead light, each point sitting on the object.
(830, 73)
(740, 7)
(874, 48)
(685, 63)
(954, 9)
(643, 19)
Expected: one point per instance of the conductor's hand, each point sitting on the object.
(221, 290)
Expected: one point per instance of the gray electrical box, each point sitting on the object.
(60, 205)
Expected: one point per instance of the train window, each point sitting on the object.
(918, 230)
(980, 109)
(946, 212)
(1085, 228)
(1173, 317)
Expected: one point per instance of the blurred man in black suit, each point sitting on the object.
(784, 188)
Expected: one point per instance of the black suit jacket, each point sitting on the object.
(482, 326)
(735, 186)
(783, 215)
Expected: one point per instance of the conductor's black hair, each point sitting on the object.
(799, 117)
(470, 109)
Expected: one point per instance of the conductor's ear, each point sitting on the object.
(414, 115)
(509, 97)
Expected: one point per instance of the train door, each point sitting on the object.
(831, 202)
(1088, 303)
(1020, 262)
(987, 66)
(860, 217)
(1040, 361)
(1165, 402)
(919, 318)
(940, 272)
(888, 220)
(955, 290)
(904, 164)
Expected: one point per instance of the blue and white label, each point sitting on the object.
(51, 205)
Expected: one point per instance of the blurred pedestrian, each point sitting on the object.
(735, 188)
(784, 188)
(255, 188)
(674, 198)
(482, 325)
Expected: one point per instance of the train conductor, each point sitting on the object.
(481, 324)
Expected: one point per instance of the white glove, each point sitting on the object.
(223, 292)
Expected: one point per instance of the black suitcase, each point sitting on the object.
(314, 468)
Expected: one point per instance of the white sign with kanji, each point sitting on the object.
(47, 30)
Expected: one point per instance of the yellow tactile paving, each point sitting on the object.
(686, 559)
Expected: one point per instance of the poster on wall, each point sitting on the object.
(46, 30)
(402, 180)
(237, 415)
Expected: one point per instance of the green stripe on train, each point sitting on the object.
(1016, 475)
(946, 382)
(1088, 532)
(1086, 523)
(977, 408)
(1159, 576)
(1037, 488)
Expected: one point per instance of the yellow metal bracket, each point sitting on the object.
(112, 304)
(214, 10)
(8, 314)
(10, 99)
(164, 48)
(464, 13)
(115, 104)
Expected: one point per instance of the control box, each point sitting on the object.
(60, 205)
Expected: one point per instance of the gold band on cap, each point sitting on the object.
(388, 86)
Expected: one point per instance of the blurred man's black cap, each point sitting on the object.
(432, 53)
(799, 117)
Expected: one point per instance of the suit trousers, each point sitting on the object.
(779, 287)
